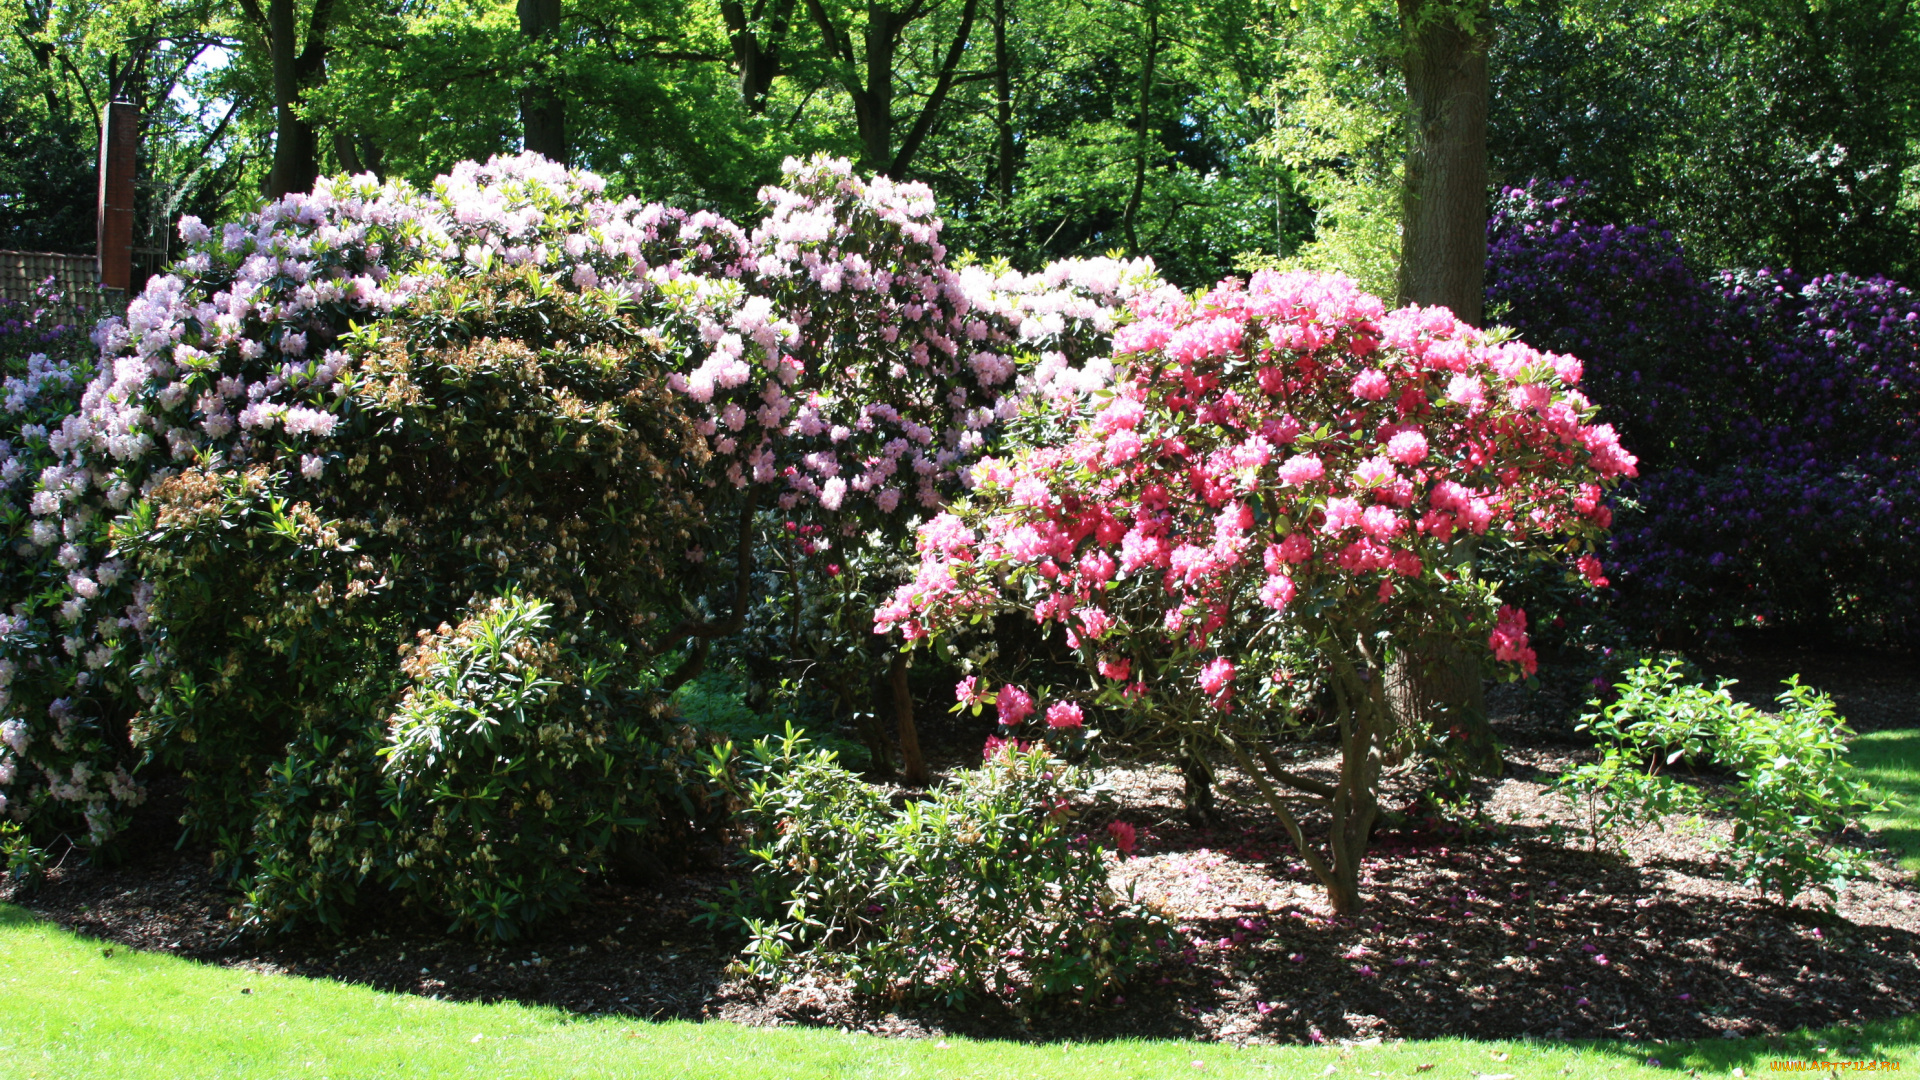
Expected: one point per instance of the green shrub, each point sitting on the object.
(503, 438)
(716, 701)
(510, 772)
(1792, 789)
(989, 886)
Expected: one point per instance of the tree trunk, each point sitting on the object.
(872, 94)
(873, 103)
(1143, 126)
(543, 112)
(1437, 694)
(1353, 802)
(295, 163)
(1443, 242)
(348, 154)
(912, 765)
(1196, 789)
(1443, 258)
(1002, 106)
(757, 47)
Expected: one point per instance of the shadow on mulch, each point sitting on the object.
(1512, 935)
(1499, 939)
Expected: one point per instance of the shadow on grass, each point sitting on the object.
(1889, 761)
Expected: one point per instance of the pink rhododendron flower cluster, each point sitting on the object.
(1361, 445)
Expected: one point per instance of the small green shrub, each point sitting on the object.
(716, 701)
(1793, 789)
(510, 772)
(987, 887)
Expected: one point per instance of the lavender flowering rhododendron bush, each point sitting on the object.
(1286, 484)
(373, 411)
(1778, 417)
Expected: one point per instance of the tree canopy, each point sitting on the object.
(1206, 135)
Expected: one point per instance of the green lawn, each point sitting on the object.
(69, 1010)
(1890, 761)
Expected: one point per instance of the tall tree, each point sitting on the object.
(1003, 164)
(543, 109)
(299, 64)
(868, 72)
(1443, 237)
(1142, 125)
(758, 37)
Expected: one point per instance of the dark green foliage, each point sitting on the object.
(989, 886)
(510, 771)
(502, 438)
(1763, 132)
(47, 185)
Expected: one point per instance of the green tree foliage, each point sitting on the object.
(61, 61)
(1775, 132)
(1763, 132)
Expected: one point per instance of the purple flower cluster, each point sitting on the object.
(1777, 418)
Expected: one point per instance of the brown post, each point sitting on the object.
(119, 139)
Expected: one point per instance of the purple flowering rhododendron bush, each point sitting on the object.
(1778, 417)
(1286, 485)
(358, 423)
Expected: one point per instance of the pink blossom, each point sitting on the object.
(1217, 677)
(1342, 513)
(1301, 469)
(1124, 837)
(1121, 414)
(1064, 714)
(1116, 669)
(1591, 569)
(1509, 639)
(1407, 448)
(1373, 472)
(1371, 385)
(1013, 704)
(967, 690)
(1278, 592)
(1381, 523)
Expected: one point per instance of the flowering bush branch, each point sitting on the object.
(1283, 470)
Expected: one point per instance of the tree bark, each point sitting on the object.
(1196, 787)
(1436, 690)
(872, 92)
(913, 766)
(1443, 251)
(1438, 695)
(543, 111)
(757, 47)
(1141, 129)
(1002, 106)
(348, 154)
(294, 158)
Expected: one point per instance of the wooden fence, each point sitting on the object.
(22, 272)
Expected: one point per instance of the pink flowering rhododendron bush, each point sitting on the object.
(372, 411)
(1284, 490)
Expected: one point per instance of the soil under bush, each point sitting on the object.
(1519, 929)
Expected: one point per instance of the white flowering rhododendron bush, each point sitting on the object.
(372, 413)
(1283, 489)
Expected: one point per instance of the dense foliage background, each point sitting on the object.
(1762, 132)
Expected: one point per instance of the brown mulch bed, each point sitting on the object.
(1519, 929)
